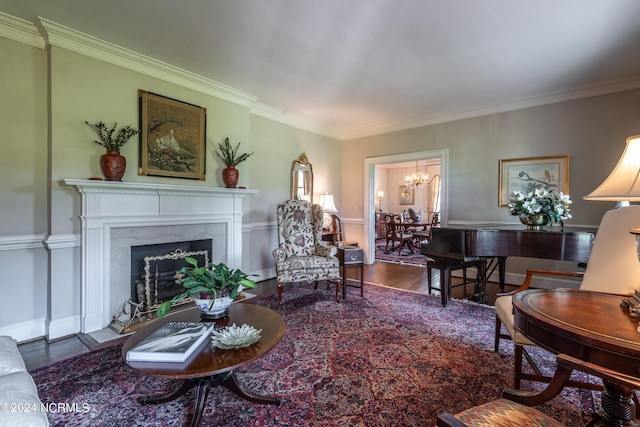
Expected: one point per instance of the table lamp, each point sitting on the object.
(623, 183)
(380, 197)
(328, 207)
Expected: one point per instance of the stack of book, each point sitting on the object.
(174, 342)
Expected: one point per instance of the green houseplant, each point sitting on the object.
(540, 207)
(211, 286)
(229, 155)
(112, 163)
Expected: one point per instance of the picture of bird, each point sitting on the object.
(169, 142)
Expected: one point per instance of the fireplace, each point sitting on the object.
(154, 280)
(154, 267)
(118, 215)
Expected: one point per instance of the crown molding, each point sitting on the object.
(67, 38)
(602, 87)
(20, 30)
(281, 116)
(46, 32)
(61, 36)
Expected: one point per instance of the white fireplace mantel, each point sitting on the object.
(107, 205)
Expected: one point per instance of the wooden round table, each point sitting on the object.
(212, 366)
(590, 326)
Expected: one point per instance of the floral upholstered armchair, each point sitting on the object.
(301, 256)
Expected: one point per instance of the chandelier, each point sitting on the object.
(417, 179)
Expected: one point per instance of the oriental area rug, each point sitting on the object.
(390, 358)
(404, 257)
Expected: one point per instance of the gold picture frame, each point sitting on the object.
(527, 173)
(172, 137)
(406, 195)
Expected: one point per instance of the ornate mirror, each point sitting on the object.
(302, 179)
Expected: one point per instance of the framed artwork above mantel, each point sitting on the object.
(527, 173)
(172, 137)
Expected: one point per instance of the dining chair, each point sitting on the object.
(396, 233)
(416, 216)
(612, 267)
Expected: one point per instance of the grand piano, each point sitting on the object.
(451, 246)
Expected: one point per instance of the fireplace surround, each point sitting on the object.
(146, 213)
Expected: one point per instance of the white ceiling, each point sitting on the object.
(360, 67)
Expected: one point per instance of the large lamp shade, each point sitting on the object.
(623, 183)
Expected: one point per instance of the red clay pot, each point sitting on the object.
(230, 176)
(113, 165)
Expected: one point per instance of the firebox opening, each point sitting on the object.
(163, 271)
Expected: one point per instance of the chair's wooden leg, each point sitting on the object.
(429, 271)
(279, 289)
(338, 283)
(496, 339)
(517, 365)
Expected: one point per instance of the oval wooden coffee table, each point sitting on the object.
(212, 366)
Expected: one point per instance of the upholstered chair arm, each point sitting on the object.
(532, 273)
(326, 251)
(279, 254)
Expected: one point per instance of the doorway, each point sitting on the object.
(370, 196)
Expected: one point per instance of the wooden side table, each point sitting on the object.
(350, 255)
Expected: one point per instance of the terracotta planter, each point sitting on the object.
(113, 165)
(230, 176)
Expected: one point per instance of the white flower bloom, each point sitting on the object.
(553, 205)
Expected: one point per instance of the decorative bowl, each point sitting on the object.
(235, 337)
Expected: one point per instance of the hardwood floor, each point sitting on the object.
(39, 353)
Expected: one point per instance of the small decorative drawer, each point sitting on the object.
(349, 255)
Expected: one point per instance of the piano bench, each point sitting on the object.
(478, 263)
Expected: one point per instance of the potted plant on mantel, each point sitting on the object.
(213, 287)
(112, 163)
(231, 159)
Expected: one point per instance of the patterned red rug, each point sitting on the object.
(391, 358)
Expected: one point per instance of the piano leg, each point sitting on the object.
(480, 286)
(500, 263)
(502, 267)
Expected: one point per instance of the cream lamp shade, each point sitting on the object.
(326, 201)
(623, 183)
(328, 207)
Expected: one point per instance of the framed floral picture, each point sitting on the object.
(528, 173)
(172, 137)
(406, 195)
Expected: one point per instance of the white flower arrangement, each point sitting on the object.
(553, 205)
